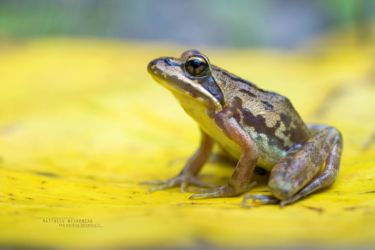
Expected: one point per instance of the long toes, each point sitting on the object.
(184, 181)
(222, 191)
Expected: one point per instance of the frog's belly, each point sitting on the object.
(268, 155)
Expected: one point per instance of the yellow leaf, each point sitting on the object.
(82, 124)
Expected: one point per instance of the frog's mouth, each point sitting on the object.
(169, 73)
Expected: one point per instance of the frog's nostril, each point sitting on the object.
(170, 62)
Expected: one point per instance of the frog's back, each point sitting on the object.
(269, 118)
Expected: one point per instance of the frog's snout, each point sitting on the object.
(152, 66)
(158, 67)
(162, 65)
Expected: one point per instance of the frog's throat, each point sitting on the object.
(190, 90)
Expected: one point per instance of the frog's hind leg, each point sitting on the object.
(300, 173)
(328, 149)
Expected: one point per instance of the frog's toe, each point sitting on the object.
(160, 185)
(184, 181)
(259, 198)
(222, 191)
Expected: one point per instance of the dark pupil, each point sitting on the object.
(196, 66)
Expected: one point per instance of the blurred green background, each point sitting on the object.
(241, 23)
(82, 123)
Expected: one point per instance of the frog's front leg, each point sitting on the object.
(299, 174)
(240, 179)
(188, 174)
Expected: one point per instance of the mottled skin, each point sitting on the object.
(257, 127)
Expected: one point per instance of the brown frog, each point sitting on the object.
(255, 126)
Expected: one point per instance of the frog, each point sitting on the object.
(257, 127)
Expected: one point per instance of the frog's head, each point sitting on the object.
(188, 76)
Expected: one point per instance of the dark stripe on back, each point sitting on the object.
(258, 122)
(267, 106)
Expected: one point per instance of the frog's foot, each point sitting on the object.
(182, 180)
(222, 191)
(259, 198)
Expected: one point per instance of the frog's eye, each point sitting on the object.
(197, 65)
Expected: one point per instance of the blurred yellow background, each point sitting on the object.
(82, 124)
